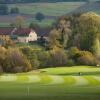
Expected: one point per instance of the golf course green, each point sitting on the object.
(62, 83)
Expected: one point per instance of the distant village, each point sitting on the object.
(19, 35)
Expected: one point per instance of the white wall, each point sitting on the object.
(32, 37)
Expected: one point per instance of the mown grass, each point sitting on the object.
(43, 90)
(74, 70)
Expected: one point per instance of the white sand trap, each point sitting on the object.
(97, 78)
(34, 78)
(8, 78)
(56, 80)
(80, 81)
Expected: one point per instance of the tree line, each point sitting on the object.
(4, 10)
(32, 1)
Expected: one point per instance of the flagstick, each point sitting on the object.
(28, 91)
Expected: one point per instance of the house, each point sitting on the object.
(4, 34)
(24, 35)
(25, 38)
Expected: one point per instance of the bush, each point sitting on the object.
(70, 62)
(14, 10)
(15, 60)
(98, 61)
(39, 16)
(85, 58)
(1, 70)
(31, 56)
(58, 58)
(73, 51)
(44, 58)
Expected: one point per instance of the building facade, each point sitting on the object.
(32, 36)
(23, 35)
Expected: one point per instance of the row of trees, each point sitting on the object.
(82, 31)
(4, 10)
(59, 57)
(30, 1)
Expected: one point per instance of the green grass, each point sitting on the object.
(31, 46)
(51, 9)
(73, 70)
(48, 9)
(54, 84)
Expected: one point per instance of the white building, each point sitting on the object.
(32, 36)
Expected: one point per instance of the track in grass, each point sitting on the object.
(53, 79)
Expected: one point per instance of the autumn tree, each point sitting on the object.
(89, 25)
(54, 37)
(19, 21)
(64, 28)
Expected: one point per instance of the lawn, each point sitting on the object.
(52, 84)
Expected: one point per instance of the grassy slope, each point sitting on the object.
(49, 87)
(51, 10)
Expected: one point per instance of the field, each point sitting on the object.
(64, 83)
(50, 10)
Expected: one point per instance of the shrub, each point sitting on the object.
(39, 16)
(85, 58)
(31, 56)
(14, 10)
(1, 70)
(14, 58)
(73, 51)
(98, 61)
(70, 62)
(58, 58)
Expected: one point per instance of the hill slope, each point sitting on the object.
(89, 6)
(31, 1)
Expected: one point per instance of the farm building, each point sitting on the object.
(24, 35)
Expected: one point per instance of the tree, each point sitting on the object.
(86, 58)
(4, 9)
(54, 37)
(89, 25)
(14, 10)
(31, 55)
(33, 26)
(19, 21)
(15, 60)
(39, 16)
(65, 30)
(58, 57)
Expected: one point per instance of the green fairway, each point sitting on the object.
(43, 84)
(73, 70)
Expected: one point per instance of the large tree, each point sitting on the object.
(89, 28)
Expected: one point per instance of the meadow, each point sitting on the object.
(50, 10)
(52, 84)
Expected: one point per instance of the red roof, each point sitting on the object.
(8, 31)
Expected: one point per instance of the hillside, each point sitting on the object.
(32, 1)
(89, 6)
(50, 10)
